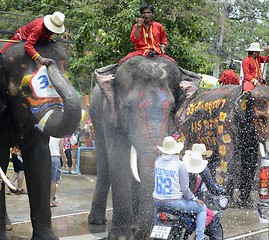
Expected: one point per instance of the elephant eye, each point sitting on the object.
(262, 120)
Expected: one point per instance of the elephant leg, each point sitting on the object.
(4, 159)
(9, 226)
(98, 210)
(37, 167)
(248, 169)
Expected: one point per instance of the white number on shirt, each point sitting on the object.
(163, 185)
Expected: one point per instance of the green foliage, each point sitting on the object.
(99, 30)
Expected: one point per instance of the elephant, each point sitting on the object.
(37, 102)
(133, 107)
(233, 124)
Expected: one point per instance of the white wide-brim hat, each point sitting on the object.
(200, 147)
(55, 22)
(170, 146)
(194, 162)
(254, 47)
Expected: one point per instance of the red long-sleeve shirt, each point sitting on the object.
(229, 77)
(33, 32)
(148, 39)
(252, 67)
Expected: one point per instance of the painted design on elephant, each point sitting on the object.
(223, 166)
(222, 150)
(261, 119)
(244, 106)
(222, 116)
(207, 106)
(226, 138)
(153, 112)
(41, 95)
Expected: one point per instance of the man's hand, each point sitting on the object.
(200, 202)
(52, 40)
(43, 61)
(266, 49)
(162, 48)
(140, 21)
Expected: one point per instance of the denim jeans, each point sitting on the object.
(190, 206)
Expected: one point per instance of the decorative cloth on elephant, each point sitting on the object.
(194, 162)
(40, 29)
(252, 67)
(200, 147)
(170, 146)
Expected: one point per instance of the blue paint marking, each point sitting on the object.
(44, 82)
(155, 111)
(35, 110)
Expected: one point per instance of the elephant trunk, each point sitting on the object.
(146, 208)
(63, 123)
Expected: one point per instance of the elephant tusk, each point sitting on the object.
(5, 179)
(133, 164)
(262, 151)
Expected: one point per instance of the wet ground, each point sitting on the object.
(74, 196)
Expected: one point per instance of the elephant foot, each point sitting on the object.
(9, 226)
(121, 234)
(245, 202)
(45, 235)
(97, 219)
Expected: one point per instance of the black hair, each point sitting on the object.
(250, 52)
(144, 6)
(232, 66)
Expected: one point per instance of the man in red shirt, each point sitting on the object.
(149, 36)
(40, 29)
(229, 77)
(253, 75)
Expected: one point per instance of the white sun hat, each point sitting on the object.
(194, 162)
(200, 147)
(55, 22)
(254, 47)
(170, 146)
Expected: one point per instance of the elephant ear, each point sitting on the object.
(105, 77)
(3, 95)
(189, 84)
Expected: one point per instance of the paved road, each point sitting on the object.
(74, 203)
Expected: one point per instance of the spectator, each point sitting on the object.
(68, 154)
(18, 174)
(56, 151)
(229, 77)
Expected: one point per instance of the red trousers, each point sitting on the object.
(132, 54)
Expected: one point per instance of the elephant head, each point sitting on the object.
(139, 106)
(41, 97)
(258, 99)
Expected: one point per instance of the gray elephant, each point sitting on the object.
(232, 124)
(37, 102)
(132, 110)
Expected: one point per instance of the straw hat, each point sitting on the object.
(199, 147)
(55, 22)
(194, 162)
(170, 146)
(254, 47)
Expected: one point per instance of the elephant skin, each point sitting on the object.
(135, 105)
(36, 109)
(232, 124)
